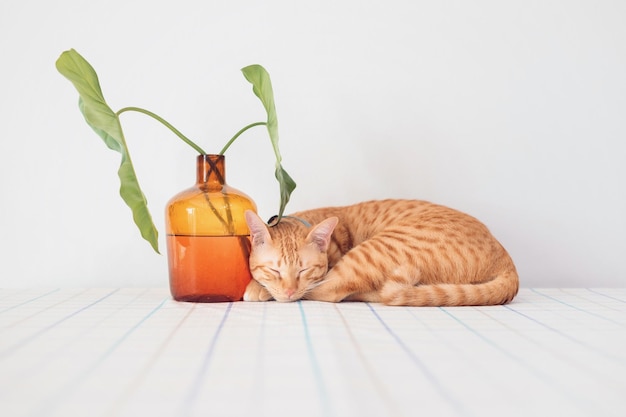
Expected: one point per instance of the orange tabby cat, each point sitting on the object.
(398, 252)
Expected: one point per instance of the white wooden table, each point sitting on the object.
(136, 352)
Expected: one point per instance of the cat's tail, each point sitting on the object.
(499, 290)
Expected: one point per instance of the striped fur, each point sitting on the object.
(398, 252)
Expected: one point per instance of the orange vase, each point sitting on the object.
(208, 241)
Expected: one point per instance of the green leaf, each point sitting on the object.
(262, 87)
(287, 185)
(107, 125)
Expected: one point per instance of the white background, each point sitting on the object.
(513, 111)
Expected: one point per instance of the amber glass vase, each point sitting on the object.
(208, 243)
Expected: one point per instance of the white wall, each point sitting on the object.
(513, 111)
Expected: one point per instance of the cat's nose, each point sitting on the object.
(289, 292)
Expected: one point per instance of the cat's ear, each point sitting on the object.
(258, 230)
(321, 233)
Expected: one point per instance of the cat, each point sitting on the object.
(396, 252)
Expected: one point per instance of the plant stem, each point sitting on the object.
(213, 170)
(230, 142)
(166, 124)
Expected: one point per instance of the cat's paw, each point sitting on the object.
(256, 292)
(325, 293)
(393, 293)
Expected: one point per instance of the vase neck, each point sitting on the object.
(210, 170)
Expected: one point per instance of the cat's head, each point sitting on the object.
(289, 259)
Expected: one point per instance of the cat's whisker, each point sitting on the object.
(314, 285)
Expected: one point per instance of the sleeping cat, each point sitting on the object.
(398, 252)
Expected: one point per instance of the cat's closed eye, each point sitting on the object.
(275, 272)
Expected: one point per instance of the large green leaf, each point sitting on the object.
(262, 87)
(107, 125)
